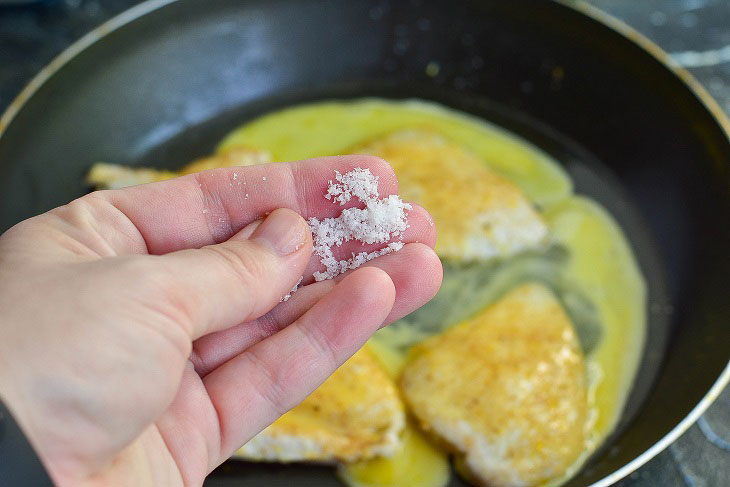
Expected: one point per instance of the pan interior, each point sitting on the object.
(165, 87)
(591, 178)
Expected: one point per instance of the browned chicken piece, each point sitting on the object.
(479, 214)
(355, 414)
(505, 389)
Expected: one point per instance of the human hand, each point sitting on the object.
(143, 340)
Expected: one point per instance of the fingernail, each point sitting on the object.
(283, 230)
(246, 232)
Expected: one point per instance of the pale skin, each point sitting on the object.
(143, 338)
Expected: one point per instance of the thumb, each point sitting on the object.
(219, 286)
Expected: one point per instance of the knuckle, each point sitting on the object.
(243, 264)
(78, 212)
(324, 346)
(153, 287)
(271, 386)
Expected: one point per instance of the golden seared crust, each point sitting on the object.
(479, 214)
(103, 175)
(506, 389)
(355, 414)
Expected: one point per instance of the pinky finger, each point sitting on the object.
(257, 386)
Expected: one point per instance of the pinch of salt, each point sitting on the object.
(380, 221)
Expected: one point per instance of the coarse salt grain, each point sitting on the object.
(359, 183)
(380, 221)
(293, 290)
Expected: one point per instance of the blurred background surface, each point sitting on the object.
(695, 32)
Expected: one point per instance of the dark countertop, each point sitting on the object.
(695, 32)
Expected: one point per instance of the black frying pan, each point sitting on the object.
(162, 83)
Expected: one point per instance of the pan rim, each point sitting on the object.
(620, 27)
(717, 113)
(76, 48)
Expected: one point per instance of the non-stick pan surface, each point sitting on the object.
(163, 87)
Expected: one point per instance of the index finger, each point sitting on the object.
(209, 207)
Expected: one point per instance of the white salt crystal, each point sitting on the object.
(380, 221)
(293, 290)
(353, 262)
(359, 183)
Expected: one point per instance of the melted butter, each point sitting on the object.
(604, 268)
(416, 463)
(392, 358)
(331, 128)
(590, 267)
